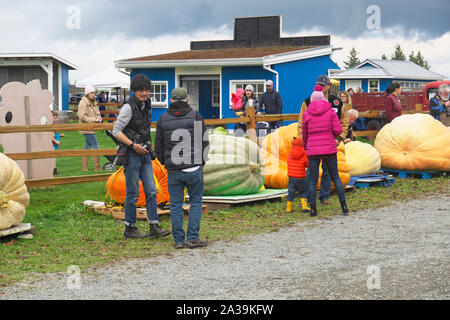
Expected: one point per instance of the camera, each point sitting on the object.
(148, 147)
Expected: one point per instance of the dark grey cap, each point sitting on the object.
(323, 80)
(179, 94)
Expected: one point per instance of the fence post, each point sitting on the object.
(251, 127)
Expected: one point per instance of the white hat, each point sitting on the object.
(269, 83)
(88, 89)
(249, 87)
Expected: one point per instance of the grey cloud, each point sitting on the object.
(139, 18)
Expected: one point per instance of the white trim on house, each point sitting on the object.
(59, 86)
(44, 55)
(232, 86)
(297, 55)
(256, 61)
(162, 104)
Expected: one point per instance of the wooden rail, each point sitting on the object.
(251, 121)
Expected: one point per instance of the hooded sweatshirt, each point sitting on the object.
(320, 127)
(297, 161)
(171, 130)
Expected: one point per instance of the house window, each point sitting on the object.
(411, 85)
(158, 94)
(374, 85)
(215, 93)
(258, 85)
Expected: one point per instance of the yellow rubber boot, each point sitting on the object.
(305, 207)
(289, 207)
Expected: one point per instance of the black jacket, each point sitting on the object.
(181, 131)
(336, 103)
(272, 102)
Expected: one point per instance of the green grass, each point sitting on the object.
(68, 234)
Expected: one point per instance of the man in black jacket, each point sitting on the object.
(132, 129)
(181, 145)
(271, 103)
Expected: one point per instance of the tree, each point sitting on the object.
(384, 57)
(353, 59)
(398, 53)
(419, 60)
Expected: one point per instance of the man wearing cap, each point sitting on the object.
(336, 104)
(181, 145)
(132, 129)
(271, 103)
(88, 112)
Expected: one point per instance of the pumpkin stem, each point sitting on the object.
(3, 200)
(254, 166)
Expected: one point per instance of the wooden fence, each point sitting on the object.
(250, 120)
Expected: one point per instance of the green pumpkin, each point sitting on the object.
(220, 130)
(235, 167)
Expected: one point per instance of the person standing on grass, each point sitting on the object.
(297, 163)
(56, 140)
(88, 112)
(321, 126)
(132, 129)
(336, 105)
(181, 145)
(392, 103)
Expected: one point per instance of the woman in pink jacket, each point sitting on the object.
(320, 127)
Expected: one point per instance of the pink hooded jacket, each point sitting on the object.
(320, 127)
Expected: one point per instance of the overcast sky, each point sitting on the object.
(109, 30)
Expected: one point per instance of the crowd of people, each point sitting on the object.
(325, 121)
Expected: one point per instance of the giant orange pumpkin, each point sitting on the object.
(344, 172)
(276, 148)
(117, 188)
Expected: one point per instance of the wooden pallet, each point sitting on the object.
(19, 229)
(404, 174)
(141, 213)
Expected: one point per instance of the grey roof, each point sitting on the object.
(378, 68)
(38, 55)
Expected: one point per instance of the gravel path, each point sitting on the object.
(407, 245)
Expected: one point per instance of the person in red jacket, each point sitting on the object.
(392, 102)
(297, 163)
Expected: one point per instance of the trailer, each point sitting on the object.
(371, 105)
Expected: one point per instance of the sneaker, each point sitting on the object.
(197, 243)
(179, 246)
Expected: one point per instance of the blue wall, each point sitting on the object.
(298, 78)
(158, 74)
(64, 87)
(239, 73)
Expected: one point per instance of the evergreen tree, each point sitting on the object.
(353, 59)
(419, 60)
(398, 53)
(384, 57)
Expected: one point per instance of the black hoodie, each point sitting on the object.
(180, 116)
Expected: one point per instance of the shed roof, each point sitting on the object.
(38, 55)
(378, 68)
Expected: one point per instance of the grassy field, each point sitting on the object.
(67, 234)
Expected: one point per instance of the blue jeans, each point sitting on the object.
(325, 184)
(294, 185)
(331, 165)
(193, 181)
(139, 166)
(90, 141)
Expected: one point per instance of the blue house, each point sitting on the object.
(375, 75)
(51, 70)
(212, 70)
